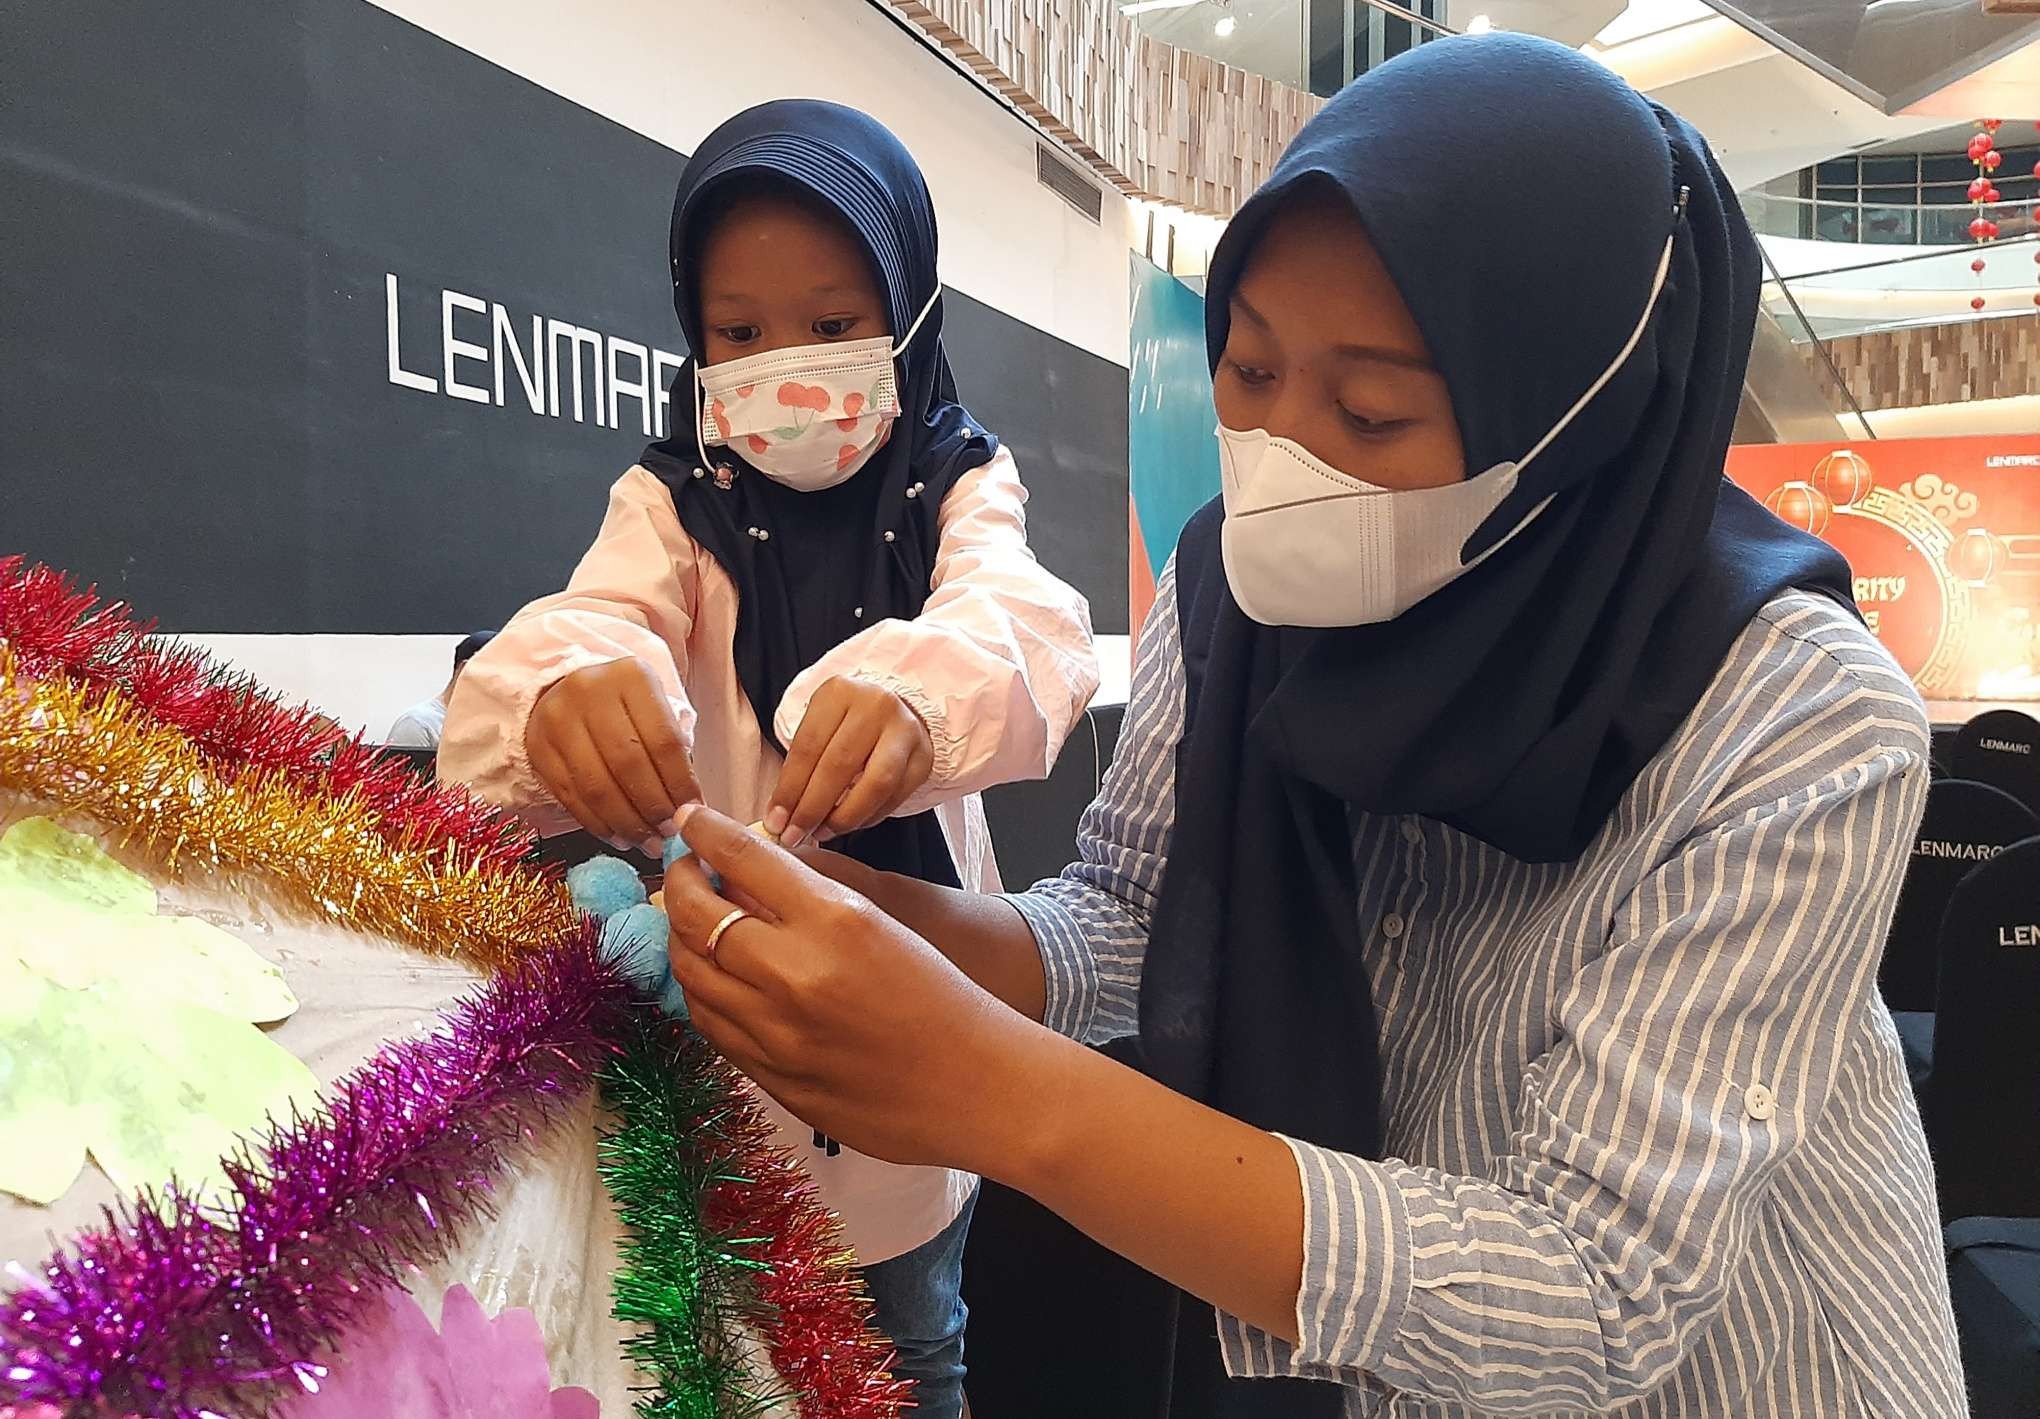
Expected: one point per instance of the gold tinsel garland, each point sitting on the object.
(97, 754)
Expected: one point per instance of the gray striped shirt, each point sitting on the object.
(1649, 1144)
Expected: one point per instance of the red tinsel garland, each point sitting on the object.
(816, 1325)
(55, 628)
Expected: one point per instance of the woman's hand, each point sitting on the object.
(605, 743)
(860, 752)
(865, 1032)
(851, 1021)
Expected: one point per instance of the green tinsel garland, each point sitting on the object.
(678, 1285)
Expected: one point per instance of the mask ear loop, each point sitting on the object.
(900, 346)
(1657, 286)
(700, 444)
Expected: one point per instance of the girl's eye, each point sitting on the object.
(1250, 375)
(836, 327)
(738, 334)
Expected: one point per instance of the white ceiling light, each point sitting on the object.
(1480, 24)
(1225, 26)
(1144, 6)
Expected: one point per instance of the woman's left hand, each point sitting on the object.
(860, 752)
(858, 1026)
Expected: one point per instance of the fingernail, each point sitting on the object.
(775, 821)
(618, 843)
(792, 837)
(667, 827)
(652, 847)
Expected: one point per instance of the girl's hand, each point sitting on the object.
(860, 752)
(856, 1025)
(605, 743)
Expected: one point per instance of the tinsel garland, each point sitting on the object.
(53, 627)
(96, 753)
(758, 1245)
(169, 1299)
(178, 1309)
(671, 1282)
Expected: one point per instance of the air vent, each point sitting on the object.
(1068, 182)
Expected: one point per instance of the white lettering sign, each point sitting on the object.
(600, 370)
(2005, 746)
(1967, 852)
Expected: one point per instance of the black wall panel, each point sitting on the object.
(200, 207)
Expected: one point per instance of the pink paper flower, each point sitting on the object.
(470, 1368)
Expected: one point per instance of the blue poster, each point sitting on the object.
(1172, 451)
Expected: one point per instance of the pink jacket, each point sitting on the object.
(999, 663)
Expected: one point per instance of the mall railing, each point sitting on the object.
(1880, 268)
(1883, 224)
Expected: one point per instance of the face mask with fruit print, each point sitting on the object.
(807, 416)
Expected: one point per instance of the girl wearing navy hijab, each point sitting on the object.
(1497, 855)
(813, 606)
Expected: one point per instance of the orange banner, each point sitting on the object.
(1944, 538)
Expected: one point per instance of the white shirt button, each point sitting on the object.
(1759, 1102)
(1392, 926)
(1412, 834)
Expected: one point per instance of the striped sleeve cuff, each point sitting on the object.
(1356, 1277)
(1069, 968)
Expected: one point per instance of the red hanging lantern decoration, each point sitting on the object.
(1977, 557)
(1803, 505)
(1977, 188)
(1977, 266)
(1991, 125)
(1983, 229)
(1976, 303)
(1843, 477)
(1980, 144)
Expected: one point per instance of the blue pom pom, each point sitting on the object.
(673, 1000)
(676, 848)
(604, 886)
(636, 940)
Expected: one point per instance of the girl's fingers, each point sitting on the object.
(841, 762)
(659, 732)
(604, 809)
(817, 729)
(878, 788)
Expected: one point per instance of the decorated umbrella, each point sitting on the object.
(335, 1106)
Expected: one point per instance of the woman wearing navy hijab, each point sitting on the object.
(1497, 855)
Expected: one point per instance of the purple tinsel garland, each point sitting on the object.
(177, 1309)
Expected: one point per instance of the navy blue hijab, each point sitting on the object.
(1520, 195)
(847, 557)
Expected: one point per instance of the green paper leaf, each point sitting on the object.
(76, 917)
(123, 1033)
